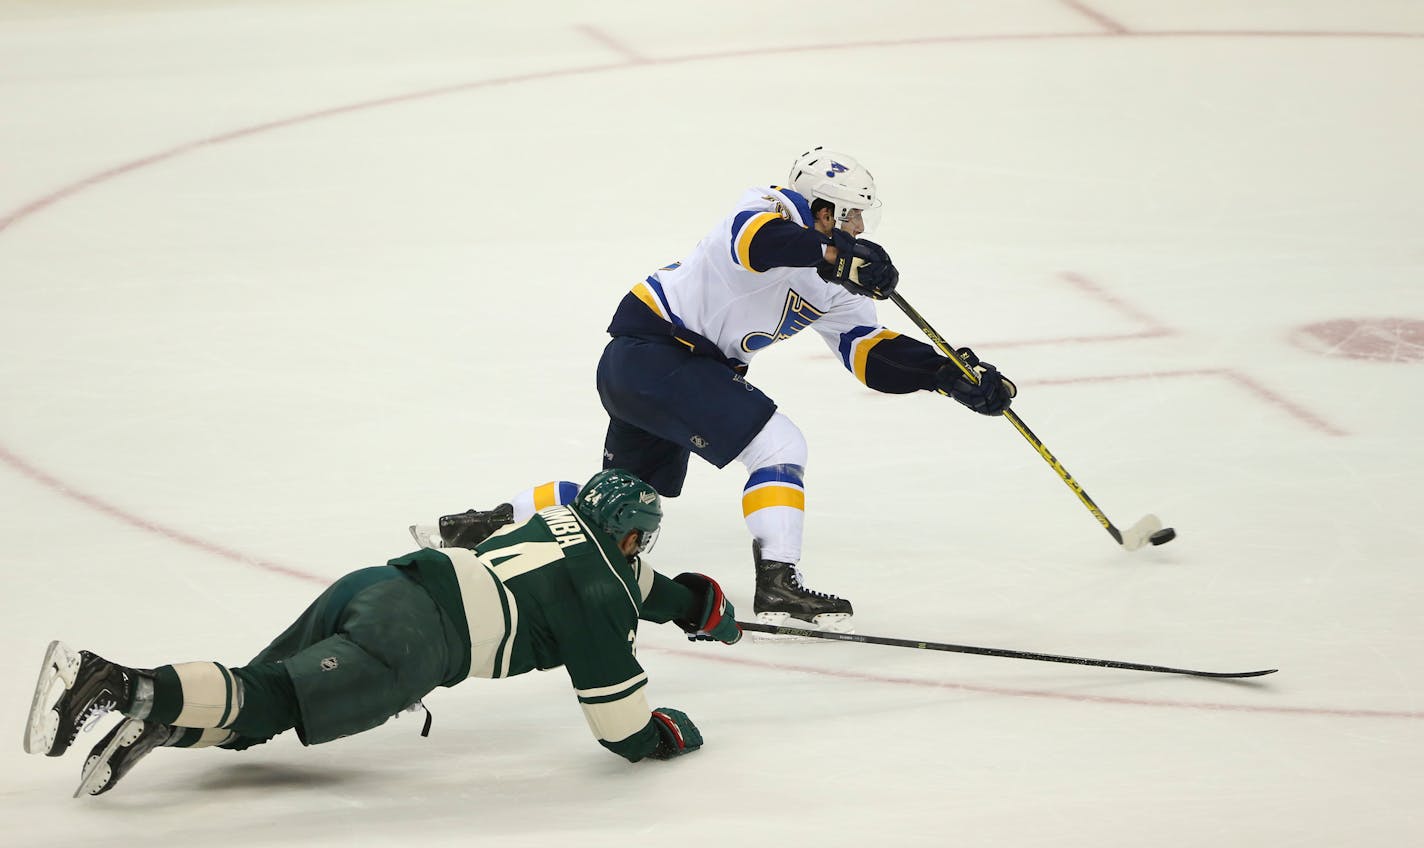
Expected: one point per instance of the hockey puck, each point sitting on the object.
(1163, 536)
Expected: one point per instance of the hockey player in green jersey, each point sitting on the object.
(566, 587)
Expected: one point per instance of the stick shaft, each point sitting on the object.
(758, 627)
(948, 350)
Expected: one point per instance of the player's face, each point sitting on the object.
(637, 542)
(854, 222)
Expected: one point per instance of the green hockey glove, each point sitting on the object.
(717, 619)
(676, 733)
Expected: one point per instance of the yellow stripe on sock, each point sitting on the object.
(545, 495)
(768, 496)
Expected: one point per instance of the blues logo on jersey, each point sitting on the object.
(796, 315)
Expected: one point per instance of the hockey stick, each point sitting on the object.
(988, 652)
(1148, 529)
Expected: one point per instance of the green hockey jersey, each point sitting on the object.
(557, 591)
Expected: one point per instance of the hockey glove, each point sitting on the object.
(862, 267)
(717, 620)
(993, 394)
(676, 733)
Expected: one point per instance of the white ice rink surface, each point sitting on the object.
(279, 278)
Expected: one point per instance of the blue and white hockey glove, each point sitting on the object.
(991, 396)
(862, 267)
(677, 734)
(717, 619)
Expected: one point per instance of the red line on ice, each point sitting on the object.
(1101, 19)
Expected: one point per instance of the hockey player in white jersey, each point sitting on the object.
(673, 377)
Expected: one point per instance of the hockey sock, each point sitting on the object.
(774, 497)
(197, 694)
(198, 737)
(774, 505)
(530, 501)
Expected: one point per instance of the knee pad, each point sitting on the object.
(778, 443)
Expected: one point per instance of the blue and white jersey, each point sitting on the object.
(752, 282)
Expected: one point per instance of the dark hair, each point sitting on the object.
(818, 204)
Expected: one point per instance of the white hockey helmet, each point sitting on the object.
(838, 179)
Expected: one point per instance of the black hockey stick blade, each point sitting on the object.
(758, 627)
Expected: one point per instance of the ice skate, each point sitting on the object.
(74, 689)
(780, 595)
(117, 753)
(467, 529)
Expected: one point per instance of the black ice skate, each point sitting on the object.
(117, 752)
(467, 529)
(464, 529)
(780, 595)
(75, 688)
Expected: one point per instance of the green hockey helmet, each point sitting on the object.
(618, 503)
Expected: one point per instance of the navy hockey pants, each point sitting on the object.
(664, 403)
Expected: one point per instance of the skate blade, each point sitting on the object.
(97, 769)
(57, 673)
(826, 622)
(426, 536)
(96, 773)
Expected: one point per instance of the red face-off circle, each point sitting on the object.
(1374, 339)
